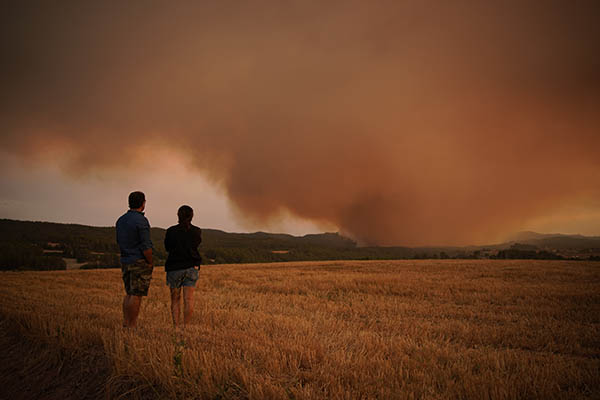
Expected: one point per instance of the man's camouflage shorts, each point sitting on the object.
(137, 277)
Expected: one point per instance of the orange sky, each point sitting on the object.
(409, 123)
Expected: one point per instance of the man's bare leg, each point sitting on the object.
(188, 304)
(175, 305)
(131, 310)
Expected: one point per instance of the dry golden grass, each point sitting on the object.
(383, 329)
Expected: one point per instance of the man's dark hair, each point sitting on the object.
(185, 215)
(136, 199)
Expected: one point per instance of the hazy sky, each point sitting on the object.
(400, 122)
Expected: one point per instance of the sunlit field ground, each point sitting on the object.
(382, 329)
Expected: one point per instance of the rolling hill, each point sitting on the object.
(48, 245)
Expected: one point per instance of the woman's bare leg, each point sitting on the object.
(175, 305)
(188, 304)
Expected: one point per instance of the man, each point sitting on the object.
(133, 237)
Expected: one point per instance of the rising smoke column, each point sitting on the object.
(400, 123)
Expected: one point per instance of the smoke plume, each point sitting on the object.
(402, 122)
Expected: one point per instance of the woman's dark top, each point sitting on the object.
(182, 245)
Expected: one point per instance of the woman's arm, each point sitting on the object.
(168, 241)
(198, 237)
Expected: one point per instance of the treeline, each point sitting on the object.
(523, 251)
(44, 245)
(516, 254)
(233, 255)
(28, 256)
(95, 247)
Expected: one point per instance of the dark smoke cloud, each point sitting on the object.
(400, 122)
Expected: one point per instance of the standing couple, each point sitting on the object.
(182, 266)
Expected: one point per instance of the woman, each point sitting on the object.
(183, 263)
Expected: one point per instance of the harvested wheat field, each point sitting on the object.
(426, 329)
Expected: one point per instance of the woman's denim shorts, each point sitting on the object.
(182, 277)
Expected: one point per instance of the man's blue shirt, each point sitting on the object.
(133, 236)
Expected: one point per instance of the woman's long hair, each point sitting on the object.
(185, 215)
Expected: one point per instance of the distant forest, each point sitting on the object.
(53, 246)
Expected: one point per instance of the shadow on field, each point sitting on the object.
(33, 369)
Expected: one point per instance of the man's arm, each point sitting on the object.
(144, 231)
(148, 255)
